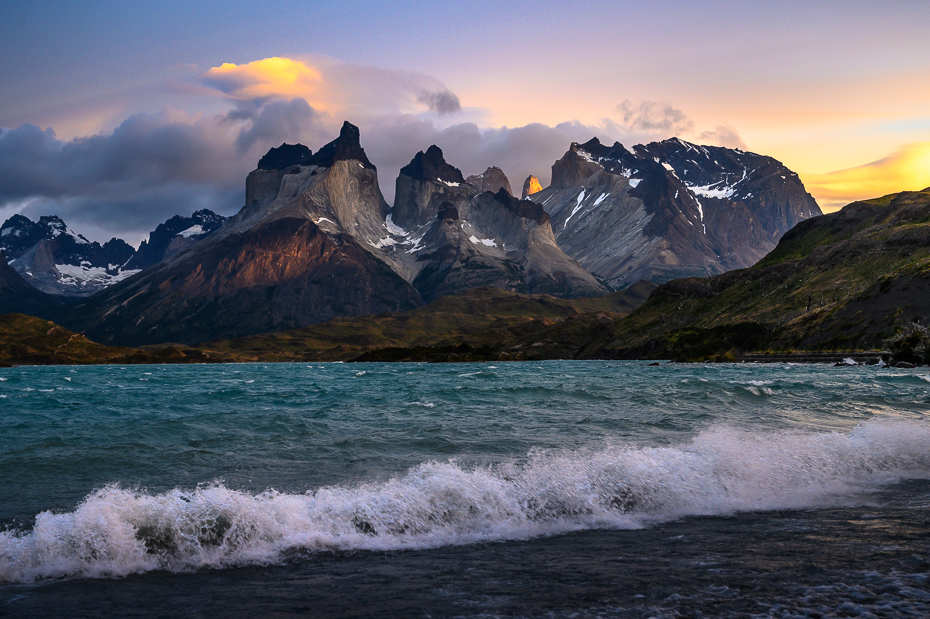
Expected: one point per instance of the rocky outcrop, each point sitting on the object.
(493, 179)
(174, 235)
(423, 184)
(58, 261)
(453, 237)
(285, 156)
(670, 209)
(530, 186)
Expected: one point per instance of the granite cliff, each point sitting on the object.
(670, 209)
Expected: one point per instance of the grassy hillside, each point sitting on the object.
(471, 321)
(27, 340)
(845, 281)
(477, 318)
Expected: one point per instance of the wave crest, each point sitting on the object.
(116, 531)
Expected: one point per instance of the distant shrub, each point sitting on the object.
(911, 344)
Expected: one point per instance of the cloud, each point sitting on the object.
(276, 122)
(442, 102)
(723, 135)
(653, 117)
(336, 89)
(907, 169)
(154, 166)
(148, 169)
(267, 78)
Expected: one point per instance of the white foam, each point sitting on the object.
(117, 531)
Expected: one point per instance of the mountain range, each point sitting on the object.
(316, 240)
(669, 209)
(58, 261)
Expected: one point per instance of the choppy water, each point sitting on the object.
(531, 489)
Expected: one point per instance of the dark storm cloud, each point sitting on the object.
(277, 122)
(442, 102)
(150, 168)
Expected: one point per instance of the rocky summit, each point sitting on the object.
(493, 179)
(530, 186)
(174, 235)
(448, 236)
(670, 209)
(56, 260)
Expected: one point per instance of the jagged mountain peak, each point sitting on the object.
(530, 186)
(285, 156)
(670, 209)
(17, 221)
(432, 166)
(347, 147)
(55, 226)
(492, 179)
(175, 235)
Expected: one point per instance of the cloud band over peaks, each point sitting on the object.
(333, 88)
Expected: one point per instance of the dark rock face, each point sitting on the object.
(447, 212)
(174, 235)
(493, 179)
(432, 166)
(18, 297)
(56, 260)
(18, 234)
(347, 147)
(285, 156)
(670, 209)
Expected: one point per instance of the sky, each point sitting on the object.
(119, 115)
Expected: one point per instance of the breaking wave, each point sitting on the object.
(117, 531)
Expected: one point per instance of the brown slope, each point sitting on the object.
(27, 340)
(278, 276)
(480, 317)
